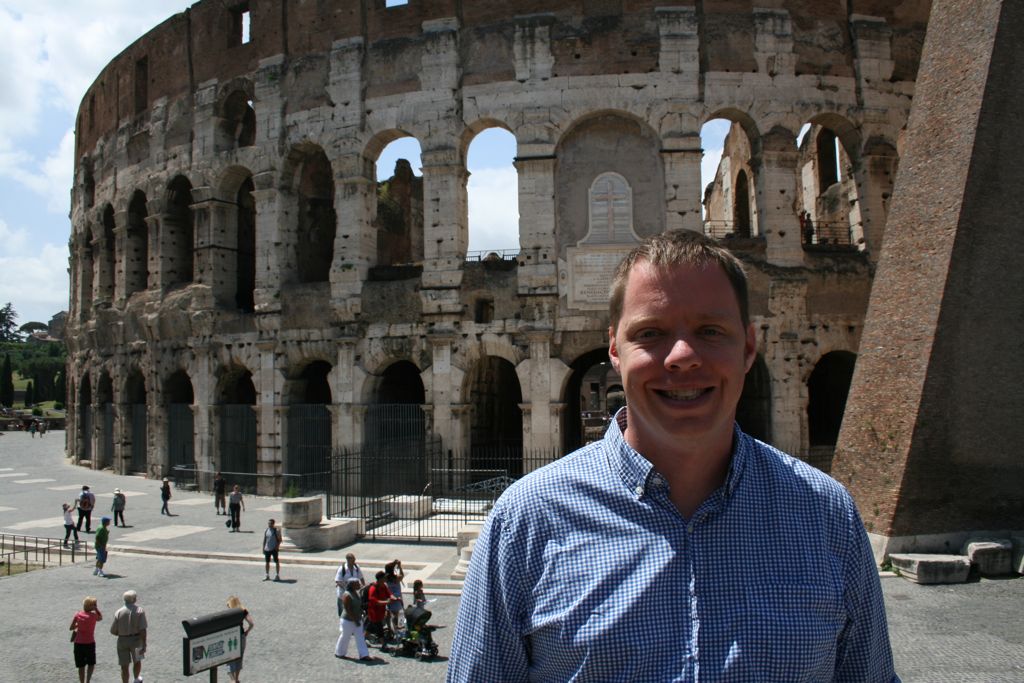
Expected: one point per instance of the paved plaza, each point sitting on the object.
(187, 565)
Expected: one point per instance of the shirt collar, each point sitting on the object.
(634, 470)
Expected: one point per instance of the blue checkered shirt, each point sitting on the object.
(586, 571)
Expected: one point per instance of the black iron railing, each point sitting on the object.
(32, 552)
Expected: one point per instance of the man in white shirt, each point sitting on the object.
(348, 570)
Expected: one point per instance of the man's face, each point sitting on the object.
(682, 351)
(351, 559)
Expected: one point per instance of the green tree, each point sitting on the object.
(33, 326)
(8, 328)
(7, 382)
(62, 386)
(30, 395)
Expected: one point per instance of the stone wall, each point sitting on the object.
(275, 140)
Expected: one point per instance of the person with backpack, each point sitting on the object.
(165, 496)
(86, 502)
(271, 545)
(117, 507)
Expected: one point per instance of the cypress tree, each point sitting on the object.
(7, 383)
(29, 395)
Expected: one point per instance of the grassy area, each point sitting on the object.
(16, 568)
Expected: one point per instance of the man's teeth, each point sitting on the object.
(681, 395)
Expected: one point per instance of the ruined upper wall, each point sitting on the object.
(587, 37)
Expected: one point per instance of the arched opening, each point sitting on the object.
(496, 424)
(754, 411)
(493, 194)
(237, 126)
(727, 177)
(829, 199)
(135, 395)
(827, 389)
(180, 420)
(109, 265)
(85, 423)
(245, 248)
(399, 221)
(317, 220)
(179, 232)
(394, 453)
(586, 415)
(105, 402)
(136, 256)
(741, 211)
(236, 398)
(86, 272)
(309, 428)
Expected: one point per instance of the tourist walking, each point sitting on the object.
(165, 496)
(236, 503)
(235, 667)
(117, 507)
(83, 635)
(271, 546)
(129, 625)
(32, 429)
(100, 545)
(219, 487)
(86, 502)
(396, 608)
(69, 524)
(351, 623)
(346, 572)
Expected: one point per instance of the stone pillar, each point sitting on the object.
(158, 456)
(874, 176)
(681, 156)
(103, 282)
(787, 307)
(347, 377)
(773, 42)
(872, 41)
(538, 253)
(444, 421)
(531, 47)
(446, 231)
(122, 437)
(679, 46)
(775, 170)
(541, 378)
(121, 261)
(80, 263)
(155, 276)
(203, 389)
(355, 242)
(275, 243)
(345, 82)
(269, 418)
(216, 253)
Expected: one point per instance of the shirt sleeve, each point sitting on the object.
(488, 644)
(864, 653)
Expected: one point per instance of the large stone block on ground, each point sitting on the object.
(331, 534)
(927, 569)
(411, 507)
(990, 557)
(466, 534)
(302, 512)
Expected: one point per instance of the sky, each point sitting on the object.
(52, 50)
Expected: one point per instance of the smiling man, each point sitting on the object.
(677, 548)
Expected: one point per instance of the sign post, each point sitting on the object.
(210, 641)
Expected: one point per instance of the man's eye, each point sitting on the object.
(647, 334)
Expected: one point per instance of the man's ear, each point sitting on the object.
(749, 348)
(613, 351)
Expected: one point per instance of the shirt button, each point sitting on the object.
(689, 528)
(639, 490)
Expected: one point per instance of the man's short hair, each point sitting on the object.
(673, 248)
(130, 597)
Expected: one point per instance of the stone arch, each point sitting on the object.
(308, 448)
(754, 411)
(829, 202)
(395, 429)
(730, 204)
(135, 257)
(575, 424)
(178, 230)
(105, 416)
(237, 424)
(602, 142)
(741, 204)
(85, 417)
(135, 396)
(496, 418)
(310, 178)
(235, 187)
(179, 396)
(827, 389)
(399, 211)
(491, 186)
(87, 253)
(235, 117)
(108, 266)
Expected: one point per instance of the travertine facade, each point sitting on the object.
(235, 267)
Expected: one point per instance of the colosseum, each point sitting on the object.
(248, 296)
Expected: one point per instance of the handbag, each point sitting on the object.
(227, 523)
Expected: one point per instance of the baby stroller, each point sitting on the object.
(416, 640)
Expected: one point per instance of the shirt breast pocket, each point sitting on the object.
(786, 632)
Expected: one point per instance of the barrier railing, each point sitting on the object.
(39, 552)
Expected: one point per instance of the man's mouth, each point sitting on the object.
(684, 394)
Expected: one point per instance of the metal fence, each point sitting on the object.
(420, 491)
(106, 441)
(190, 478)
(238, 438)
(180, 434)
(32, 552)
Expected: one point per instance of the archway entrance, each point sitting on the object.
(237, 438)
(180, 421)
(593, 393)
(309, 429)
(496, 424)
(135, 391)
(827, 388)
(754, 412)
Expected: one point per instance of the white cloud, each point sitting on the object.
(33, 276)
(493, 209)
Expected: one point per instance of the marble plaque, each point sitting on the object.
(589, 272)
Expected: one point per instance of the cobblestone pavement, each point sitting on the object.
(969, 633)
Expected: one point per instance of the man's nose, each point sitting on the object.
(682, 355)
